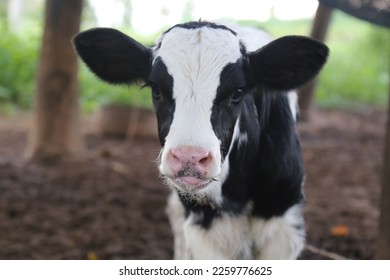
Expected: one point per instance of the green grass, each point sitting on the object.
(357, 72)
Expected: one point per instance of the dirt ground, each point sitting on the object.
(111, 204)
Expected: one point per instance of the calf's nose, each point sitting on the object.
(194, 157)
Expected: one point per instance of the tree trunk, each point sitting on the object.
(383, 250)
(318, 32)
(55, 131)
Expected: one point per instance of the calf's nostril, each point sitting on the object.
(205, 160)
(175, 161)
(175, 158)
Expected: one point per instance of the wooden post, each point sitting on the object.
(318, 32)
(383, 249)
(55, 132)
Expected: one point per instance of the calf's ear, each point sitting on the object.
(286, 63)
(113, 56)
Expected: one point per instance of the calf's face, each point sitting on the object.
(189, 76)
(199, 74)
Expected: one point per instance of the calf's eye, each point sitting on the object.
(237, 95)
(156, 93)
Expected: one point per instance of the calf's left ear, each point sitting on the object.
(113, 56)
(286, 63)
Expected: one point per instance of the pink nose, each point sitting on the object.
(196, 158)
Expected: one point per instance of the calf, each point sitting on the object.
(230, 150)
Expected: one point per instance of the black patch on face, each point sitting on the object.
(161, 83)
(236, 190)
(268, 169)
(227, 104)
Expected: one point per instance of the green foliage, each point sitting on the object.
(18, 59)
(357, 72)
(278, 28)
(19, 53)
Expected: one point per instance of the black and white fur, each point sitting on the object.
(217, 94)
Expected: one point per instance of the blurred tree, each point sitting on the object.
(318, 32)
(55, 133)
(383, 249)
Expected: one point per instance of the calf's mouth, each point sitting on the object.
(189, 179)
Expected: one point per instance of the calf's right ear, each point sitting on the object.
(113, 56)
(286, 63)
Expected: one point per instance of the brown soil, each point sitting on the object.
(111, 205)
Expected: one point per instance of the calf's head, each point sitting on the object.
(199, 74)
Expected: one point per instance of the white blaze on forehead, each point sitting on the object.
(195, 59)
